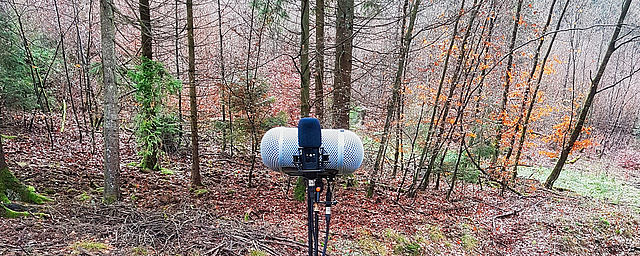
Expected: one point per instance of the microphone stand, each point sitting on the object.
(310, 222)
(313, 210)
(311, 164)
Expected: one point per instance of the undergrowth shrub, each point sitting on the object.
(466, 170)
(154, 124)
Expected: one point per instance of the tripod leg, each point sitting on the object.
(310, 198)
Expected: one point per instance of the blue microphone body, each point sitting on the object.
(280, 144)
(309, 142)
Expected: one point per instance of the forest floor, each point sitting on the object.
(159, 214)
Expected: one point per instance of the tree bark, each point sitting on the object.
(405, 45)
(145, 29)
(66, 71)
(3, 162)
(177, 62)
(111, 106)
(224, 95)
(305, 75)
(196, 180)
(502, 113)
(432, 120)
(527, 117)
(342, 75)
(319, 72)
(589, 100)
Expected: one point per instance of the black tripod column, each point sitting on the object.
(311, 195)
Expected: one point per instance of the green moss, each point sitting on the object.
(8, 213)
(371, 246)
(165, 171)
(300, 190)
(412, 248)
(200, 192)
(257, 253)
(3, 198)
(11, 186)
(83, 197)
(109, 199)
(435, 234)
(139, 251)
(90, 246)
(469, 242)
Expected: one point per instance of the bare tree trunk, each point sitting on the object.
(342, 76)
(525, 122)
(432, 120)
(145, 29)
(249, 85)
(405, 45)
(177, 60)
(38, 82)
(111, 106)
(251, 110)
(66, 70)
(3, 162)
(223, 96)
(502, 112)
(454, 176)
(439, 141)
(589, 100)
(226, 90)
(305, 75)
(196, 180)
(319, 72)
(85, 82)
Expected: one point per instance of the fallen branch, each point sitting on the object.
(516, 212)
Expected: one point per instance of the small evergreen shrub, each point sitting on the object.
(154, 125)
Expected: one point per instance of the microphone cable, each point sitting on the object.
(327, 216)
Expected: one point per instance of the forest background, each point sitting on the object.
(489, 127)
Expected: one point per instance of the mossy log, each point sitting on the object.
(12, 189)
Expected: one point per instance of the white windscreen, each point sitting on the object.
(344, 148)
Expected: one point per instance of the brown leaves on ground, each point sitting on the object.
(159, 214)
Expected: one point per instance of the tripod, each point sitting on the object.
(314, 188)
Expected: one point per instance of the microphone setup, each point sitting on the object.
(314, 154)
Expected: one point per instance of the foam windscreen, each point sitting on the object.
(309, 133)
(344, 147)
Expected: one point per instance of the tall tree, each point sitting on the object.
(196, 180)
(342, 73)
(305, 75)
(432, 120)
(145, 28)
(405, 44)
(66, 71)
(111, 106)
(577, 130)
(508, 77)
(177, 62)
(226, 96)
(527, 115)
(319, 72)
